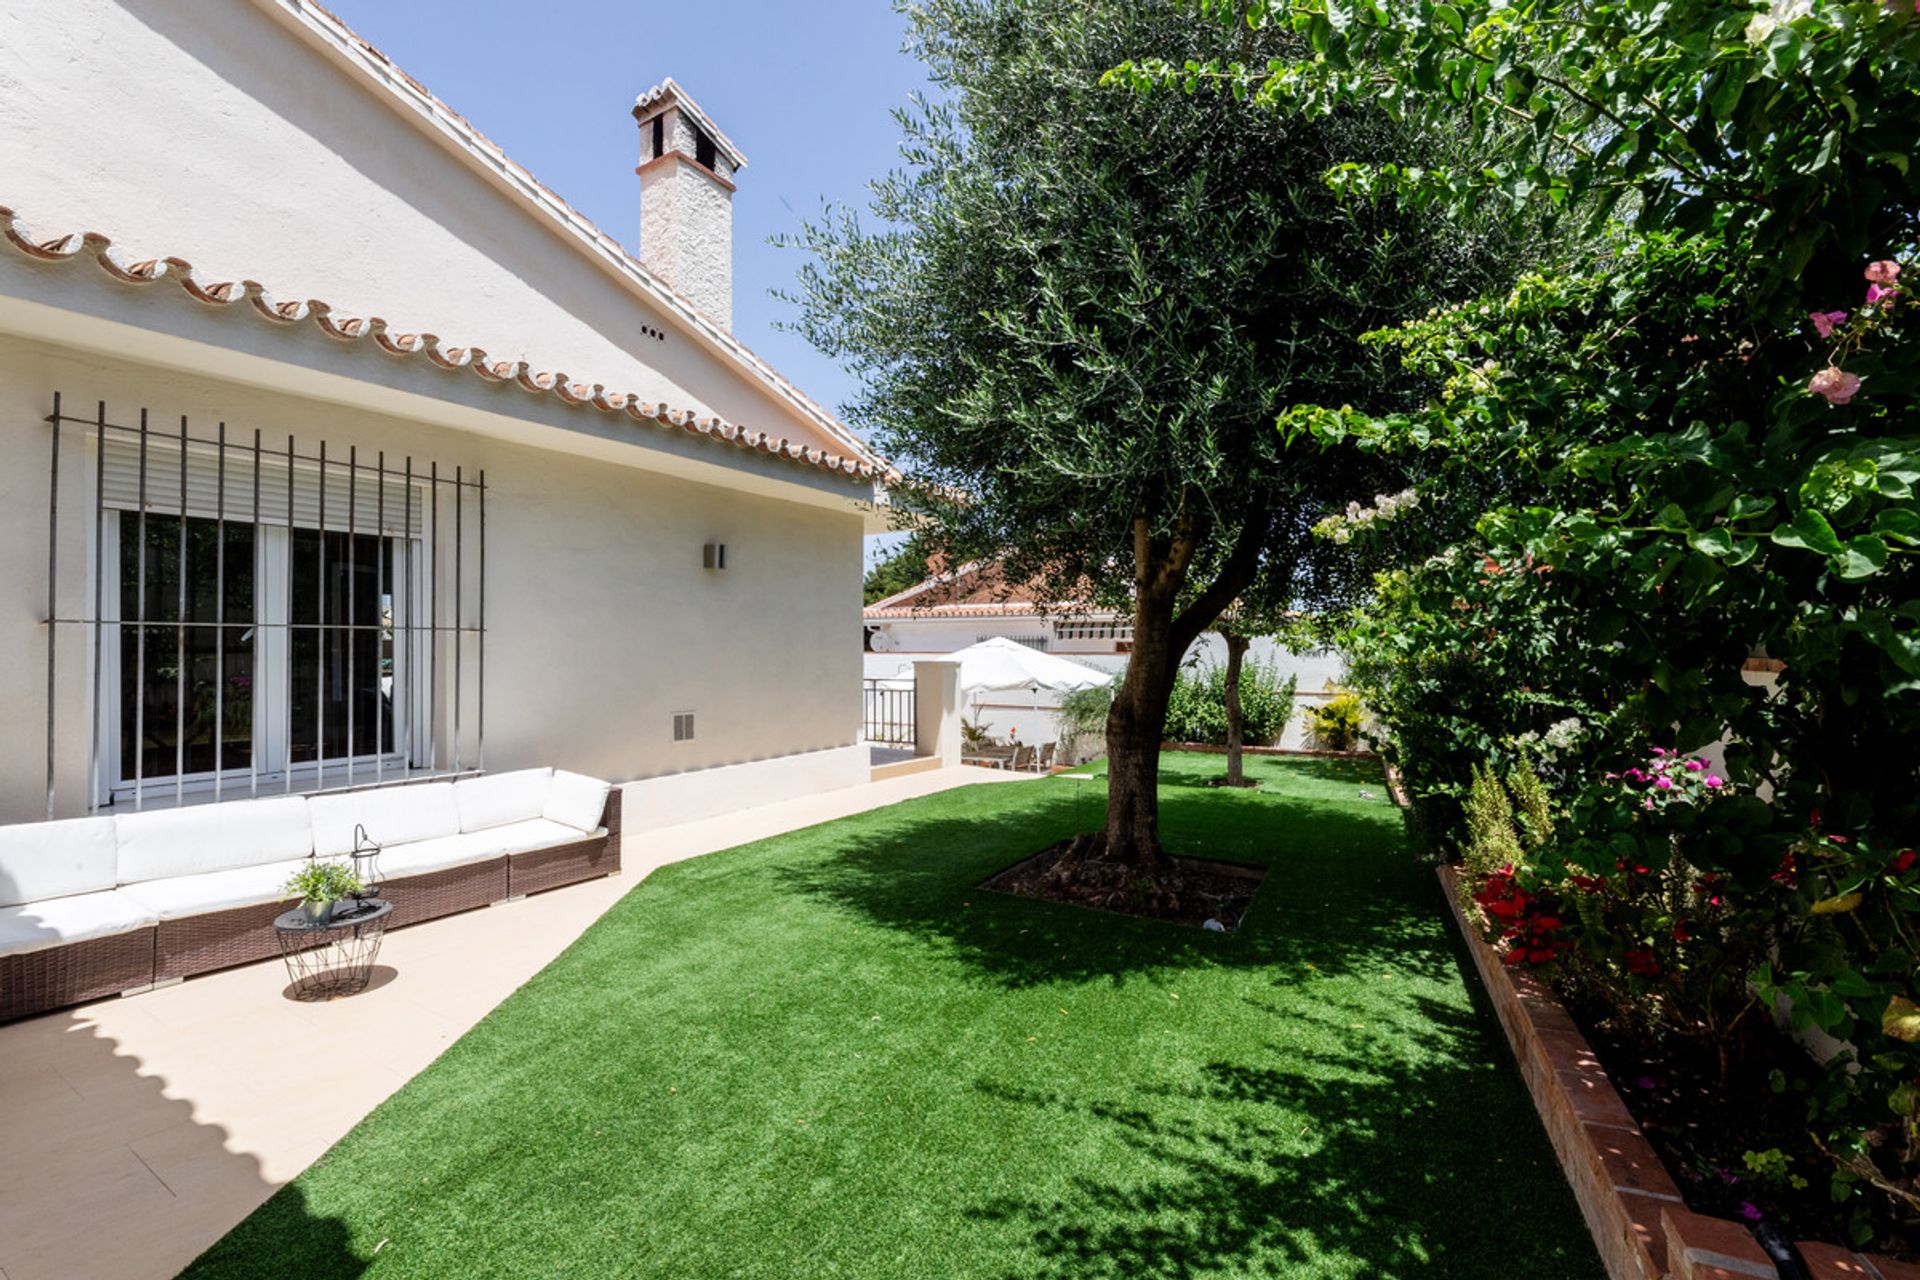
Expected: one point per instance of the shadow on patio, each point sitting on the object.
(106, 1174)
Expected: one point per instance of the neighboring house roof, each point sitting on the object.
(412, 100)
(353, 329)
(667, 90)
(975, 590)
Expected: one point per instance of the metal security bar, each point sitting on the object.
(297, 579)
(888, 713)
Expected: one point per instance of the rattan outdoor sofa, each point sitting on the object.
(99, 906)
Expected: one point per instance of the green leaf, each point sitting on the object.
(1900, 524)
(1714, 542)
(1902, 1019)
(1810, 532)
(1449, 17)
(1862, 557)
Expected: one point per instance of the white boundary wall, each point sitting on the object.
(687, 797)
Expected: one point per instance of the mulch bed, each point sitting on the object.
(1207, 890)
(1703, 1129)
(1248, 783)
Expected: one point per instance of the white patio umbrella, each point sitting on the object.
(999, 664)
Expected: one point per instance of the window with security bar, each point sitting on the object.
(266, 619)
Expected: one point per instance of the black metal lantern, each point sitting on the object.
(366, 863)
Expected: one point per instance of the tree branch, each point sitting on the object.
(1236, 575)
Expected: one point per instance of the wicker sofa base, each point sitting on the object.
(37, 981)
(442, 893)
(564, 864)
(215, 940)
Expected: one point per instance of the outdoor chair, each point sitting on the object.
(1046, 758)
(1022, 759)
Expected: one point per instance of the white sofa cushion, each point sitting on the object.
(178, 896)
(577, 800)
(475, 846)
(500, 798)
(212, 837)
(55, 922)
(391, 815)
(55, 859)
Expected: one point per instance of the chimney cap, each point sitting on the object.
(668, 93)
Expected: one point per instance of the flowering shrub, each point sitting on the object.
(1357, 519)
(1527, 928)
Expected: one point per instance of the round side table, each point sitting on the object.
(333, 957)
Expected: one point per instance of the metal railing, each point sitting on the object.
(887, 713)
(181, 487)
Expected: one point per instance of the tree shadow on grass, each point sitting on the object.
(282, 1238)
(1347, 1149)
(1337, 887)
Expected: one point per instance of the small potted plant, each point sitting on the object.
(319, 885)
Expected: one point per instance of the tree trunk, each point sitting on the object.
(1135, 727)
(1125, 855)
(1236, 723)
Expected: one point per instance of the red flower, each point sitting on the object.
(1640, 961)
(1681, 931)
(1904, 862)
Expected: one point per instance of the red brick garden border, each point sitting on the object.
(1632, 1207)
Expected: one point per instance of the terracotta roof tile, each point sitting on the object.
(355, 329)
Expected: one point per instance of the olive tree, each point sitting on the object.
(1077, 313)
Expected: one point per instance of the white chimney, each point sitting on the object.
(687, 167)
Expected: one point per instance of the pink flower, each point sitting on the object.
(1837, 385)
(1881, 293)
(1886, 271)
(1696, 765)
(1714, 782)
(1824, 322)
(1665, 784)
(1647, 803)
(1658, 752)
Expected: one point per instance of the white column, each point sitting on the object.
(936, 711)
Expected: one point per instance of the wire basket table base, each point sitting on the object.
(332, 957)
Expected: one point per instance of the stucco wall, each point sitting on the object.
(601, 620)
(215, 132)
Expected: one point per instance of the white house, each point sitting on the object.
(950, 611)
(340, 449)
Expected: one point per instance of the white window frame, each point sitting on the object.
(271, 773)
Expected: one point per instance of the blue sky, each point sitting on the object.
(804, 89)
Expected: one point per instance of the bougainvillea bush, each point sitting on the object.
(1669, 522)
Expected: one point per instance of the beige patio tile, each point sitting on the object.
(137, 1131)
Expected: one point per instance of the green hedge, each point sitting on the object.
(1197, 710)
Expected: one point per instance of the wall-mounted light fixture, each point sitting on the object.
(714, 556)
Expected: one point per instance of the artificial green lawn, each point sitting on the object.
(829, 1054)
